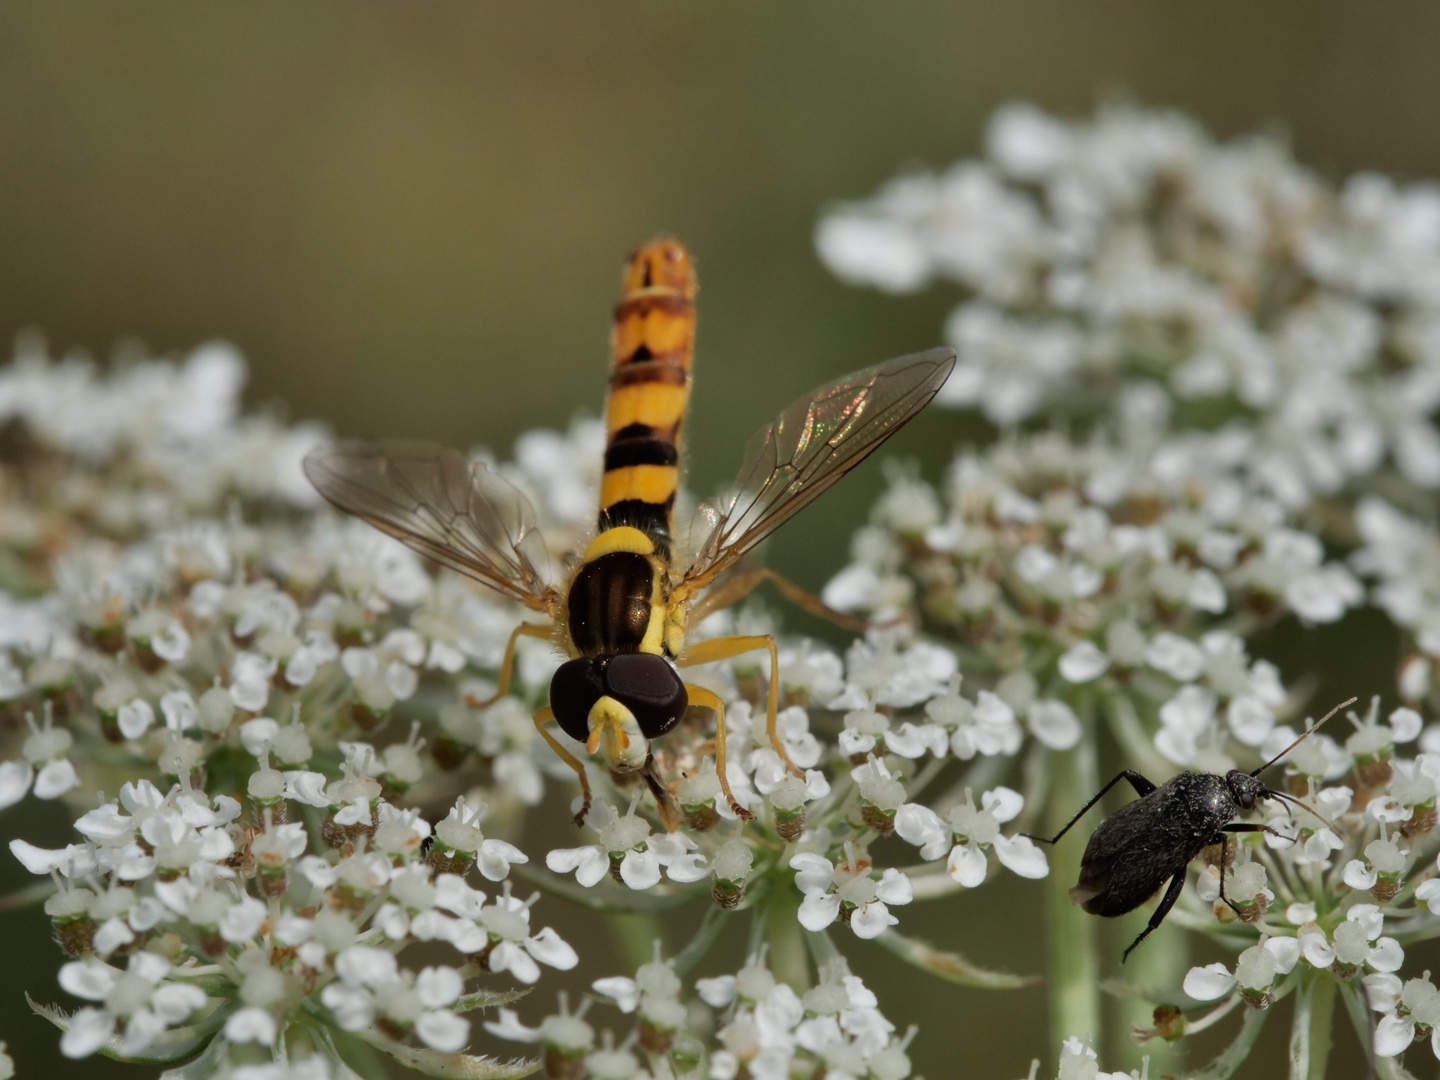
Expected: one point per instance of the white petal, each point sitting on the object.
(967, 865)
(894, 887)
(1286, 951)
(915, 824)
(871, 920)
(1316, 950)
(688, 868)
(1055, 724)
(113, 934)
(818, 910)
(437, 987)
(1020, 855)
(56, 779)
(624, 992)
(640, 869)
(1387, 955)
(1209, 982)
(88, 979)
(717, 992)
(549, 948)
(45, 860)
(258, 735)
(443, 1031)
(1358, 875)
(135, 718)
(1393, 1035)
(495, 859)
(141, 1030)
(1083, 662)
(88, 1031)
(251, 1025)
(174, 1002)
(1002, 803)
(1382, 991)
(14, 782)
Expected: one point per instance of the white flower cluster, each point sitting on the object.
(1133, 251)
(765, 1028)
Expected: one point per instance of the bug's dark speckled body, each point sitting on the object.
(1145, 843)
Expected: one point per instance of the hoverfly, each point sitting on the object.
(621, 615)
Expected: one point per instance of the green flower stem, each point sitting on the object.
(634, 935)
(29, 895)
(1234, 1055)
(1310, 1028)
(788, 959)
(1159, 967)
(1073, 976)
(711, 923)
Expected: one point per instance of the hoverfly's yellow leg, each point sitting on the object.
(739, 586)
(541, 718)
(707, 699)
(507, 664)
(723, 648)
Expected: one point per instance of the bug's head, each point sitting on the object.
(615, 705)
(1247, 789)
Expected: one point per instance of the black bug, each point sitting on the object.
(1134, 850)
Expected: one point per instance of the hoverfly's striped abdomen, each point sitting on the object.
(650, 348)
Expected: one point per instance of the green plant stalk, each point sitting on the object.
(1157, 967)
(634, 936)
(1073, 976)
(786, 937)
(1310, 1028)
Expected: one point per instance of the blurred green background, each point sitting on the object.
(411, 217)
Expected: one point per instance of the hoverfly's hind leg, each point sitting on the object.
(1142, 788)
(723, 648)
(541, 718)
(1166, 903)
(507, 664)
(735, 588)
(707, 699)
(664, 797)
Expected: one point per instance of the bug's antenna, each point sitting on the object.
(1308, 731)
(1296, 802)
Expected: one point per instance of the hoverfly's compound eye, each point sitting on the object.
(650, 687)
(575, 688)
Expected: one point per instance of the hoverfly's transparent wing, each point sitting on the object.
(818, 439)
(445, 506)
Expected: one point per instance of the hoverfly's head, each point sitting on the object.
(616, 704)
(1247, 789)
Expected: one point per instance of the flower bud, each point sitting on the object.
(787, 800)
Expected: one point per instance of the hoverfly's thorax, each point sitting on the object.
(616, 602)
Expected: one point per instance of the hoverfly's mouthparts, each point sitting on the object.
(1296, 802)
(1308, 732)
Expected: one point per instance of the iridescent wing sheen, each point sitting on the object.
(437, 501)
(796, 458)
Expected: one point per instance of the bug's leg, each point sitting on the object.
(664, 798)
(1248, 826)
(1224, 842)
(541, 718)
(507, 664)
(1142, 788)
(723, 648)
(707, 699)
(1166, 903)
(741, 585)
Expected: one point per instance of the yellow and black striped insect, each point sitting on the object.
(622, 614)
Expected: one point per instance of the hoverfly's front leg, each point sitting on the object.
(707, 699)
(723, 648)
(735, 588)
(507, 664)
(541, 718)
